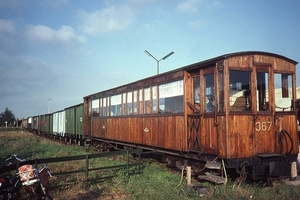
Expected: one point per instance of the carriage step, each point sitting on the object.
(213, 165)
(212, 178)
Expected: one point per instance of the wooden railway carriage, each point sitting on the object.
(238, 107)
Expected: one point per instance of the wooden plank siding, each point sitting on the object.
(163, 131)
(228, 134)
(209, 136)
(222, 136)
(287, 122)
(240, 139)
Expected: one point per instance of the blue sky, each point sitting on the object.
(65, 50)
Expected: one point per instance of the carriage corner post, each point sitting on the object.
(167, 113)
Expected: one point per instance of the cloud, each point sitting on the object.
(57, 4)
(193, 6)
(65, 34)
(26, 74)
(11, 3)
(113, 18)
(7, 26)
(11, 41)
(196, 24)
(188, 6)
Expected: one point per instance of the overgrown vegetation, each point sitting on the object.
(155, 181)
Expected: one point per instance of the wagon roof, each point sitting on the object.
(205, 63)
(242, 53)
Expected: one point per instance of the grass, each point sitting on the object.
(155, 181)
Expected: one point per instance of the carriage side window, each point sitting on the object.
(129, 103)
(140, 106)
(147, 100)
(171, 97)
(123, 105)
(196, 86)
(100, 107)
(283, 92)
(239, 83)
(209, 93)
(135, 98)
(154, 99)
(262, 79)
(90, 107)
(95, 107)
(115, 105)
(104, 107)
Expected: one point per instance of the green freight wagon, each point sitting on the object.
(74, 122)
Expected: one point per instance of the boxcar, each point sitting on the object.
(29, 123)
(24, 123)
(45, 124)
(59, 123)
(35, 123)
(74, 121)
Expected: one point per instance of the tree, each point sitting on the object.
(7, 116)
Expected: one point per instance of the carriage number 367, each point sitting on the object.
(263, 126)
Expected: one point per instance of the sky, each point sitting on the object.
(64, 50)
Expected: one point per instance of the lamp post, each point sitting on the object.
(49, 100)
(163, 58)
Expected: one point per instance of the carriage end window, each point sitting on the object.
(240, 93)
(262, 91)
(283, 92)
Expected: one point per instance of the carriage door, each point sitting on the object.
(208, 121)
(193, 118)
(264, 121)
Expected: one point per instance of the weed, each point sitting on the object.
(155, 181)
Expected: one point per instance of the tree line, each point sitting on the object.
(7, 119)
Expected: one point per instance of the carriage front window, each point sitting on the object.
(262, 85)
(239, 83)
(209, 93)
(283, 92)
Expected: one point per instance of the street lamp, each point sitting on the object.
(49, 100)
(165, 57)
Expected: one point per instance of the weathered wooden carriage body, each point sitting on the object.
(238, 107)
